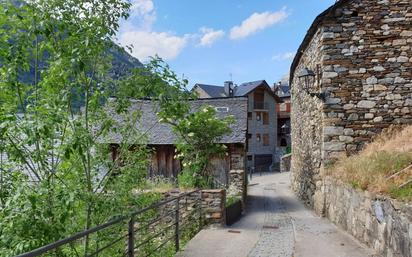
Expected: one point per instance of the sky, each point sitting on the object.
(212, 41)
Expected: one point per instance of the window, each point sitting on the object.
(258, 137)
(249, 136)
(258, 116)
(250, 158)
(222, 109)
(265, 118)
(249, 115)
(266, 140)
(283, 142)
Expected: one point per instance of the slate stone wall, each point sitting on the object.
(363, 52)
(212, 209)
(237, 185)
(306, 122)
(383, 224)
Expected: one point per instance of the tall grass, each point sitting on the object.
(369, 170)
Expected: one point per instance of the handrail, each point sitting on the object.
(47, 248)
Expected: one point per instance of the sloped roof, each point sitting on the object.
(284, 91)
(243, 90)
(248, 87)
(311, 32)
(212, 91)
(159, 133)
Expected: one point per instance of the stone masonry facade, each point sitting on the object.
(361, 52)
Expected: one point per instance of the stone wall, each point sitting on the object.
(367, 70)
(285, 163)
(361, 52)
(237, 184)
(383, 224)
(306, 123)
(213, 204)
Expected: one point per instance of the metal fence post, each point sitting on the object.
(200, 211)
(130, 241)
(177, 247)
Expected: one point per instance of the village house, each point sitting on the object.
(262, 151)
(283, 110)
(351, 78)
(161, 139)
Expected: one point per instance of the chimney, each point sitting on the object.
(276, 87)
(229, 88)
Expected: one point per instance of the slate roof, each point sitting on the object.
(248, 87)
(212, 91)
(284, 91)
(161, 134)
(311, 32)
(242, 90)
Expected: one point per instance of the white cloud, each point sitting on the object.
(143, 13)
(138, 33)
(284, 56)
(210, 36)
(148, 43)
(257, 22)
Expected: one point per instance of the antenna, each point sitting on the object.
(231, 76)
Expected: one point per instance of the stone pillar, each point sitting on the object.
(237, 184)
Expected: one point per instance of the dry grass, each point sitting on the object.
(369, 170)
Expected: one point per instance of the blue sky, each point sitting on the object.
(209, 40)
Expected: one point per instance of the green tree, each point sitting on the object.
(58, 177)
(199, 134)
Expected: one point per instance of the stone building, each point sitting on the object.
(262, 151)
(358, 58)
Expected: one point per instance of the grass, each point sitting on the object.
(369, 170)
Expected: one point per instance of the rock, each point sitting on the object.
(334, 146)
(366, 104)
(371, 80)
(348, 106)
(369, 116)
(333, 131)
(398, 42)
(348, 132)
(378, 119)
(402, 59)
(379, 87)
(346, 139)
(353, 116)
(327, 75)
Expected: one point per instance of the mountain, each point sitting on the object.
(122, 62)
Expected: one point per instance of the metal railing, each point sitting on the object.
(157, 230)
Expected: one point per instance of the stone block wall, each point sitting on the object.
(366, 71)
(237, 184)
(213, 205)
(306, 123)
(361, 51)
(383, 224)
(285, 163)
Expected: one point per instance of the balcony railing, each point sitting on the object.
(260, 106)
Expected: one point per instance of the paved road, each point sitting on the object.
(276, 224)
